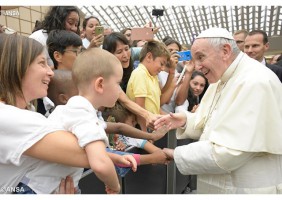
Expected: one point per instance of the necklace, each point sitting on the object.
(220, 87)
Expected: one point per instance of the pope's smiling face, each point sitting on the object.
(208, 59)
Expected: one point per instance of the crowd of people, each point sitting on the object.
(72, 100)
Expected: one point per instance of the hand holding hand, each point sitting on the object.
(151, 118)
(160, 157)
(169, 153)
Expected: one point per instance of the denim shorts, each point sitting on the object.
(24, 189)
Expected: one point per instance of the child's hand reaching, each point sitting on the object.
(160, 133)
(120, 146)
(160, 157)
(110, 191)
(129, 161)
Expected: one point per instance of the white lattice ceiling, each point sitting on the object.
(183, 23)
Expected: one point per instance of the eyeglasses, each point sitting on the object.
(76, 51)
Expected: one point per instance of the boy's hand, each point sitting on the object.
(150, 119)
(160, 133)
(111, 191)
(120, 146)
(160, 157)
(127, 161)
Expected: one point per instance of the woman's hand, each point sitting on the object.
(67, 186)
(155, 29)
(173, 61)
(194, 108)
(97, 41)
(190, 66)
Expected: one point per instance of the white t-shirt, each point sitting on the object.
(41, 36)
(79, 117)
(136, 142)
(19, 130)
(85, 43)
(163, 76)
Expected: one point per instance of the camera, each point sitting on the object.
(184, 55)
(157, 12)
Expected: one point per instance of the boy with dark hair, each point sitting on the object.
(62, 43)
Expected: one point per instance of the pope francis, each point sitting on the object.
(238, 123)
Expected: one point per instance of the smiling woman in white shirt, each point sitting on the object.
(26, 136)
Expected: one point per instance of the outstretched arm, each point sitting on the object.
(125, 129)
(102, 164)
(124, 160)
(157, 157)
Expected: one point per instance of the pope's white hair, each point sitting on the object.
(217, 43)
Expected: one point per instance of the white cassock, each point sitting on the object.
(239, 127)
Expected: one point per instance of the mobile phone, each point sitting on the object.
(184, 55)
(139, 33)
(99, 30)
(181, 75)
(157, 12)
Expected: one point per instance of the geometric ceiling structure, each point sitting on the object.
(183, 23)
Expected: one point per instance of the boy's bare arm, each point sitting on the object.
(124, 160)
(141, 102)
(138, 110)
(102, 164)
